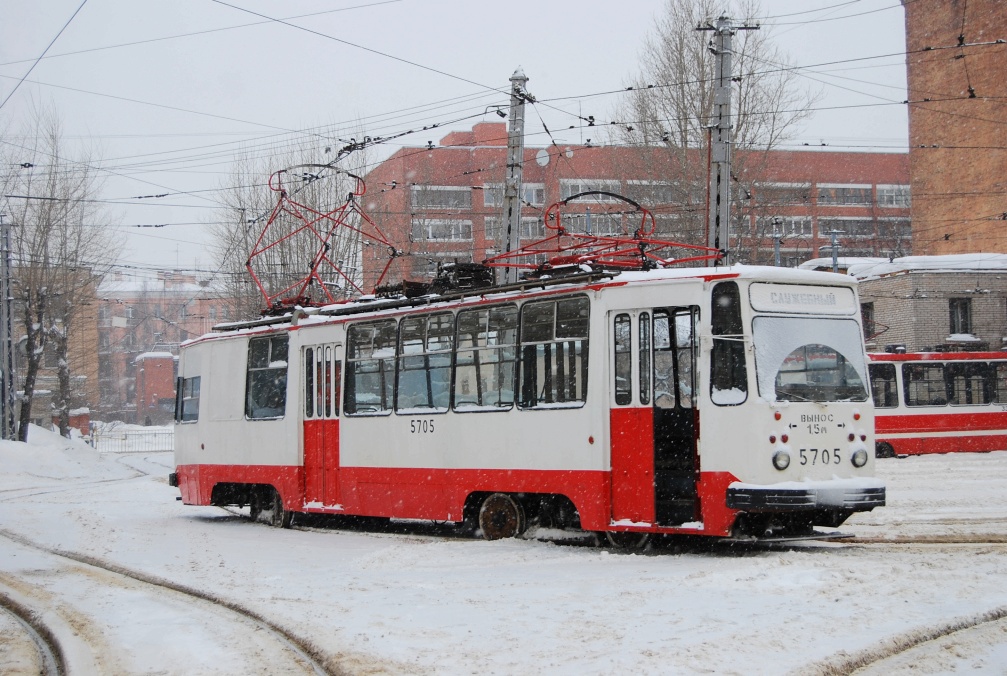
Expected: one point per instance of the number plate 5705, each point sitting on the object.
(822, 456)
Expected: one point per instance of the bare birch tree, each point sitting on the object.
(671, 102)
(60, 250)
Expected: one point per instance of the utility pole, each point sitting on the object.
(718, 224)
(6, 343)
(777, 236)
(835, 249)
(515, 166)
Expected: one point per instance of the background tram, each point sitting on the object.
(723, 402)
(933, 402)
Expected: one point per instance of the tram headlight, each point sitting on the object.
(859, 458)
(781, 460)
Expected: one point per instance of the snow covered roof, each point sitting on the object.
(153, 355)
(164, 284)
(868, 268)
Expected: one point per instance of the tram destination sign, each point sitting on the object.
(803, 298)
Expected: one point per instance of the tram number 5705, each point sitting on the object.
(824, 456)
(426, 426)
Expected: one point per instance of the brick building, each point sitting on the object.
(445, 203)
(139, 321)
(957, 124)
(155, 387)
(955, 302)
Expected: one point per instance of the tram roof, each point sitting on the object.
(586, 279)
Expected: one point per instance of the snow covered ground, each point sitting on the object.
(421, 601)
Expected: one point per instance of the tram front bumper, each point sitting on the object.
(851, 495)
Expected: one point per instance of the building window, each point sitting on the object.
(867, 317)
(441, 229)
(533, 194)
(787, 226)
(266, 382)
(570, 187)
(896, 196)
(593, 224)
(860, 228)
(894, 229)
(782, 194)
(531, 228)
(650, 193)
(441, 197)
(671, 226)
(961, 315)
(844, 195)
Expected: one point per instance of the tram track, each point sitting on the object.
(860, 661)
(310, 658)
(954, 539)
(44, 643)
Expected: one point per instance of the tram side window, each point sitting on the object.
(999, 369)
(486, 360)
(554, 352)
(969, 383)
(187, 406)
(424, 363)
(623, 361)
(924, 384)
(884, 388)
(728, 378)
(266, 381)
(370, 368)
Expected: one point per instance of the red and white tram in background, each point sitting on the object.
(933, 402)
(707, 401)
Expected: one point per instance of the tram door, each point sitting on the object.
(653, 417)
(321, 370)
(674, 368)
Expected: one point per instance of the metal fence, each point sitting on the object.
(132, 440)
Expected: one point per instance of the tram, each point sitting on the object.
(935, 402)
(726, 401)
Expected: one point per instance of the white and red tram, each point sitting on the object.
(939, 402)
(714, 401)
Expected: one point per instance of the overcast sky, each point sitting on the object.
(202, 78)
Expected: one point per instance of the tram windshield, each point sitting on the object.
(809, 359)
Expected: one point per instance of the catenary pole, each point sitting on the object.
(719, 216)
(515, 162)
(7, 430)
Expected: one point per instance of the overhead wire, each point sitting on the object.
(202, 32)
(35, 63)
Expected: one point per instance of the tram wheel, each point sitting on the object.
(501, 516)
(271, 507)
(626, 539)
